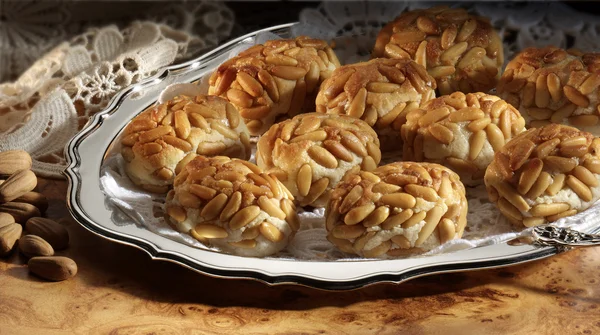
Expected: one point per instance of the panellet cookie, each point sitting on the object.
(274, 81)
(554, 85)
(462, 52)
(545, 174)
(311, 153)
(233, 205)
(161, 139)
(381, 92)
(461, 131)
(396, 209)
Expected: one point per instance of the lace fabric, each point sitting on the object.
(55, 97)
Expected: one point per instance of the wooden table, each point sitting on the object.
(119, 290)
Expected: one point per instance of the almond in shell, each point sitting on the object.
(12, 161)
(20, 211)
(34, 198)
(55, 268)
(51, 231)
(33, 245)
(9, 234)
(6, 219)
(17, 185)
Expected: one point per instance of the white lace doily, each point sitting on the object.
(55, 97)
(30, 28)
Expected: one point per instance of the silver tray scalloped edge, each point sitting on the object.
(85, 153)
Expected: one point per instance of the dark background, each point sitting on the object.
(251, 15)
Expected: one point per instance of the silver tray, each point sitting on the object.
(85, 199)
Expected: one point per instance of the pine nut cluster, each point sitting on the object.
(462, 52)
(545, 174)
(552, 85)
(161, 140)
(274, 80)
(396, 209)
(232, 204)
(381, 92)
(311, 153)
(461, 131)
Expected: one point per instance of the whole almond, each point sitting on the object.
(17, 185)
(54, 268)
(20, 210)
(12, 161)
(33, 245)
(6, 219)
(34, 198)
(9, 234)
(51, 231)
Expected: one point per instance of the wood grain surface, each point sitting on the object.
(120, 290)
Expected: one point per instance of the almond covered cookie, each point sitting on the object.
(231, 204)
(461, 131)
(160, 140)
(273, 81)
(396, 209)
(545, 174)
(462, 52)
(552, 85)
(381, 92)
(311, 153)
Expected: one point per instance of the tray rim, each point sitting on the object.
(74, 205)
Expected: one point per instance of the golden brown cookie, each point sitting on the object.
(311, 153)
(233, 205)
(462, 52)
(552, 85)
(275, 80)
(545, 174)
(461, 131)
(396, 209)
(157, 142)
(381, 92)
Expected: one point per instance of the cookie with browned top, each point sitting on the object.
(461, 131)
(160, 140)
(552, 85)
(381, 92)
(461, 51)
(396, 209)
(231, 204)
(276, 80)
(311, 153)
(545, 174)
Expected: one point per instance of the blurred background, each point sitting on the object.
(29, 29)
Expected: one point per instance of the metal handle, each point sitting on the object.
(563, 237)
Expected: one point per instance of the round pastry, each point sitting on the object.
(396, 209)
(160, 140)
(311, 153)
(462, 52)
(275, 80)
(381, 92)
(231, 204)
(554, 85)
(461, 131)
(545, 174)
